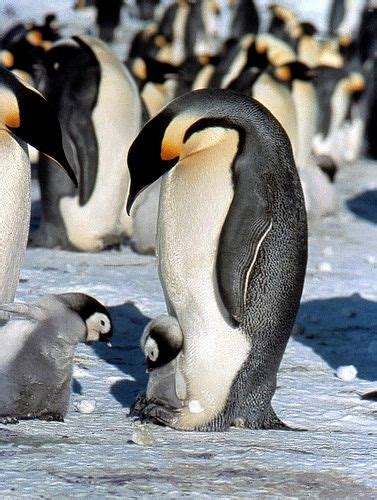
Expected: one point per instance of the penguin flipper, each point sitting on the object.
(84, 143)
(248, 222)
(83, 96)
(20, 310)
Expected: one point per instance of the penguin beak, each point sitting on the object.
(106, 339)
(144, 157)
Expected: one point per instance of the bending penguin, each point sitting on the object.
(100, 110)
(25, 117)
(232, 251)
(38, 345)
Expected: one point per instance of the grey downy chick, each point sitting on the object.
(162, 343)
(38, 346)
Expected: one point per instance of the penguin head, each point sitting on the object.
(294, 71)
(304, 29)
(99, 326)
(187, 126)
(162, 341)
(149, 69)
(25, 113)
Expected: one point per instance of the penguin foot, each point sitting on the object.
(154, 411)
(48, 236)
(51, 417)
(9, 420)
(269, 421)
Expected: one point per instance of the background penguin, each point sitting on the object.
(99, 107)
(337, 90)
(245, 18)
(345, 17)
(108, 18)
(231, 264)
(38, 345)
(24, 117)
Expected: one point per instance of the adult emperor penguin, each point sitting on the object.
(38, 345)
(232, 250)
(100, 109)
(25, 117)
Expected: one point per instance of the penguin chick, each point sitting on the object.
(161, 342)
(36, 360)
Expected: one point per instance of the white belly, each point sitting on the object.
(194, 202)
(15, 212)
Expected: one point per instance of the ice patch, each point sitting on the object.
(346, 373)
(325, 267)
(85, 406)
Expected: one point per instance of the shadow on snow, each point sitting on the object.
(364, 205)
(126, 353)
(343, 331)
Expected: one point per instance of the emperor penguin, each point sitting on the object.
(273, 92)
(99, 106)
(232, 251)
(337, 90)
(38, 345)
(320, 195)
(25, 117)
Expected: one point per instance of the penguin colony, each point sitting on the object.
(209, 126)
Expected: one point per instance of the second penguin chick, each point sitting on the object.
(162, 342)
(36, 360)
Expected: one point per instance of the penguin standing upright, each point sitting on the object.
(25, 117)
(38, 344)
(320, 195)
(232, 250)
(99, 107)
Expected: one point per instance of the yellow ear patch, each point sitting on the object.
(203, 59)
(6, 58)
(34, 37)
(172, 142)
(356, 83)
(139, 68)
(12, 119)
(284, 73)
(345, 41)
(9, 110)
(160, 41)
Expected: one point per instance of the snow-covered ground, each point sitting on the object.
(95, 455)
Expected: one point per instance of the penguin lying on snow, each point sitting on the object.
(232, 250)
(25, 117)
(36, 360)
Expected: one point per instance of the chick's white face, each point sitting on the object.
(96, 325)
(150, 349)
